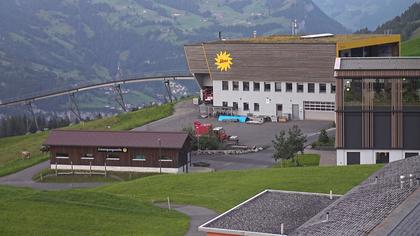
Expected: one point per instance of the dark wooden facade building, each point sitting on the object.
(378, 109)
(166, 152)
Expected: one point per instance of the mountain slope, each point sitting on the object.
(408, 24)
(48, 44)
(357, 14)
(411, 47)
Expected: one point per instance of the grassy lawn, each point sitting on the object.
(10, 148)
(304, 160)
(411, 47)
(222, 190)
(77, 212)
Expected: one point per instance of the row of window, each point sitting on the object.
(353, 158)
(382, 90)
(245, 106)
(300, 87)
(138, 157)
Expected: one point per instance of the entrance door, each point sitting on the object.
(279, 110)
(295, 111)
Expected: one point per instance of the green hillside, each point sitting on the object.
(52, 44)
(126, 208)
(10, 148)
(411, 47)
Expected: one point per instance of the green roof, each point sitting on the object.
(297, 39)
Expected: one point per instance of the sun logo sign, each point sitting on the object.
(223, 61)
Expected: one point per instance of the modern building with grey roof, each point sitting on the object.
(271, 212)
(377, 109)
(387, 203)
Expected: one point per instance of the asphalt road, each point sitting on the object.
(24, 179)
(252, 135)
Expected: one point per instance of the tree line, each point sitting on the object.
(24, 124)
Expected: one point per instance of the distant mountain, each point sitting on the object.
(48, 44)
(357, 14)
(407, 24)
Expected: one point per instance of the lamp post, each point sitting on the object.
(160, 155)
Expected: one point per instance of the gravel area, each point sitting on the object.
(368, 204)
(266, 212)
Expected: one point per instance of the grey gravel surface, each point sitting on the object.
(266, 213)
(366, 205)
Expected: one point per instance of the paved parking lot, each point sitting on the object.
(249, 134)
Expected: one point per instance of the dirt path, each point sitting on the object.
(23, 178)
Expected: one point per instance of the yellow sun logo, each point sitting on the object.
(223, 61)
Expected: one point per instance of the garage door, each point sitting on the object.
(319, 110)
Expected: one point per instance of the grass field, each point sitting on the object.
(222, 190)
(126, 208)
(77, 212)
(10, 148)
(411, 47)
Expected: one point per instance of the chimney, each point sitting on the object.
(402, 181)
(220, 35)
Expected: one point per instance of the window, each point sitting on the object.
(382, 93)
(311, 88)
(322, 88)
(256, 107)
(225, 85)
(112, 157)
(256, 86)
(224, 104)
(235, 105)
(60, 155)
(289, 87)
(235, 85)
(277, 86)
(353, 158)
(411, 154)
(267, 86)
(318, 106)
(382, 157)
(246, 106)
(333, 88)
(165, 159)
(87, 156)
(245, 86)
(139, 157)
(411, 92)
(299, 87)
(352, 93)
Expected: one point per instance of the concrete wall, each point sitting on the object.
(369, 156)
(268, 100)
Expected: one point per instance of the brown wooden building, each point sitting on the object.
(132, 151)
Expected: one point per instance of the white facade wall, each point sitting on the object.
(369, 156)
(268, 100)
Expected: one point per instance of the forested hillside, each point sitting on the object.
(48, 44)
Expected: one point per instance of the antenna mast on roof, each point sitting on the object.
(294, 27)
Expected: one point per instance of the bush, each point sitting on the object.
(210, 142)
(323, 137)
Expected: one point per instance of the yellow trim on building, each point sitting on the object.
(377, 40)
